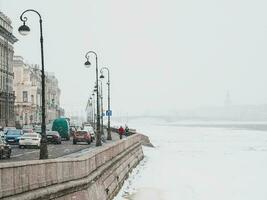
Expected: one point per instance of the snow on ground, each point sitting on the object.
(199, 163)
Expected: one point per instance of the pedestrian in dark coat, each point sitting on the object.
(121, 131)
(127, 131)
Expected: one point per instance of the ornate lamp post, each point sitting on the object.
(108, 83)
(24, 30)
(94, 125)
(88, 64)
(101, 105)
(91, 109)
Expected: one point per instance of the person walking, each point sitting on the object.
(127, 130)
(121, 131)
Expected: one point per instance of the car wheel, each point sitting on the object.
(74, 142)
(89, 142)
(68, 138)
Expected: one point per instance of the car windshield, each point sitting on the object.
(81, 132)
(51, 133)
(30, 135)
(88, 128)
(27, 131)
(9, 128)
(13, 132)
(27, 127)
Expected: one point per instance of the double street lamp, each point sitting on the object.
(88, 64)
(109, 111)
(24, 30)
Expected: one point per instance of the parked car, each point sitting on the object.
(61, 125)
(90, 129)
(5, 149)
(9, 128)
(82, 136)
(13, 136)
(53, 137)
(30, 139)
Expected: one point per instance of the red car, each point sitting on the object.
(81, 136)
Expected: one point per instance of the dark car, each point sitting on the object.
(81, 136)
(13, 136)
(53, 137)
(5, 149)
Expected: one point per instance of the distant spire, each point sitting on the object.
(227, 101)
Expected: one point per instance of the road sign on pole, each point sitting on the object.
(108, 112)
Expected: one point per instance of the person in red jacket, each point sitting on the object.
(121, 131)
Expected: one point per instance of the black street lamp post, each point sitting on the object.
(101, 105)
(94, 125)
(87, 64)
(108, 83)
(91, 110)
(24, 30)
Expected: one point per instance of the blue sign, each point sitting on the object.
(109, 113)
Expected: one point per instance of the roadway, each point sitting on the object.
(54, 150)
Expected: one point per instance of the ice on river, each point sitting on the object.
(199, 163)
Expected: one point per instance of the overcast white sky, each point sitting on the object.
(163, 55)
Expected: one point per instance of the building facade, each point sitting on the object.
(53, 109)
(7, 97)
(28, 91)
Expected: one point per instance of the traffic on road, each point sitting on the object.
(24, 144)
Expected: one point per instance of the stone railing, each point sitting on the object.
(21, 177)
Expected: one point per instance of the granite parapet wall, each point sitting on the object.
(97, 175)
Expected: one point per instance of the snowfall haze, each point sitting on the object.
(163, 55)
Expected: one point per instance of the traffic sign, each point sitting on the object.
(108, 112)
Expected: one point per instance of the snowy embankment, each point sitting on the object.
(199, 163)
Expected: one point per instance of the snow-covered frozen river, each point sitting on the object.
(199, 163)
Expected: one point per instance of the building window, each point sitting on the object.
(25, 96)
(32, 99)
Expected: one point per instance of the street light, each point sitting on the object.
(24, 30)
(101, 105)
(108, 83)
(94, 111)
(91, 110)
(88, 64)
